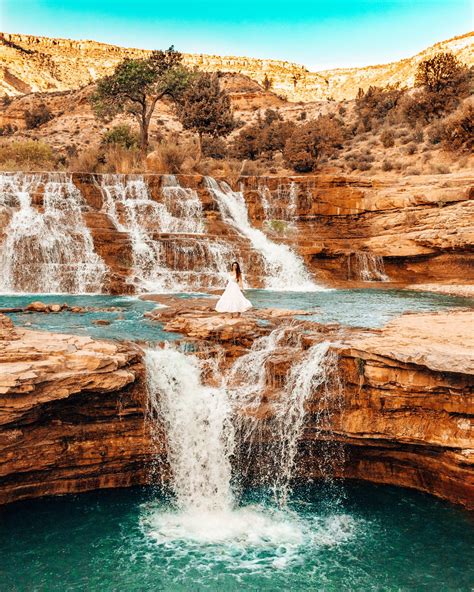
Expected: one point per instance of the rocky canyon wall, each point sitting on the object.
(30, 63)
(72, 409)
(347, 229)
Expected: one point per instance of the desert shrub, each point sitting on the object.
(387, 165)
(213, 147)
(411, 148)
(172, 157)
(440, 169)
(87, 160)
(458, 130)
(26, 155)
(8, 130)
(373, 106)
(262, 138)
(442, 82)
(37, 117)
(6, 100)
(442, 71)
(435, 132)
(118, 159)
(121, 135)
(311, 141)
(247, 143)
(413, 171)
(387, 138)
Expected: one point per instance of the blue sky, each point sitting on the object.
(319, 34)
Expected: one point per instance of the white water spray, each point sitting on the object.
(165, 264)
(199, 433)
(284, 269)
(48, 249)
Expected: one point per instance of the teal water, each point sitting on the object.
(360, 308)
(364, 308)
(378, 538)
(126, 320)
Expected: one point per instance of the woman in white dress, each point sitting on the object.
(232, 300)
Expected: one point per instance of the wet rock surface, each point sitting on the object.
(72, 408)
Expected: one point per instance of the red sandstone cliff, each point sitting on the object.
(72, 408)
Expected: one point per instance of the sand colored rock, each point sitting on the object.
(34, 63)
(71, 415)
(72, 408)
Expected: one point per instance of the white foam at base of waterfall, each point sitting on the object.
(48, 250)
(284, 270)
(197, 424)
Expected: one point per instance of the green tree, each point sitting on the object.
(138, 84)
(205, 108)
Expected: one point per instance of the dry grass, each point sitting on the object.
(29, 155)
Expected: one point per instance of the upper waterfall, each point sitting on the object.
(283, 269)
(183, 263)
(48, 249)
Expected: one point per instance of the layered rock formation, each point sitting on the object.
(31, 63)
(71, 414)
(72, 409)
(419, 229)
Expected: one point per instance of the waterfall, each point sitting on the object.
(48, 249)
(271, 411)
(368, 267)
(176, 264)
(200, 425)
(284, 270)
(280, 211)
(184, 207)
(199, 433)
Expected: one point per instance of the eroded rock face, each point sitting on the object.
(409, 398)
(72, 409)
(347, 229)
(71, 415)
(34, 63)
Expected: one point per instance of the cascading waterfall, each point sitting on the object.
(209, 524)
(367, 267)
(280, 211)
(184, 207)
(199, 433)
(284, 270)
(176, 264)
(272, 431)
(48, 249)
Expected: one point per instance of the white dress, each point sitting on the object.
(232, 300)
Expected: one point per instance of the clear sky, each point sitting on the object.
(320, 34)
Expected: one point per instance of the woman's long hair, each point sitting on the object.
(238, 273)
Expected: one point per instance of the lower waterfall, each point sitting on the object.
(283, 268)
(47, 250)
(198, 423)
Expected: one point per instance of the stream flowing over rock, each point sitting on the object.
(281, 401)
(130, 233)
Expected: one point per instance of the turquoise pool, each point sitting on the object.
(378, 538)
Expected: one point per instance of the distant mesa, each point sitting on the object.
(30, 63)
